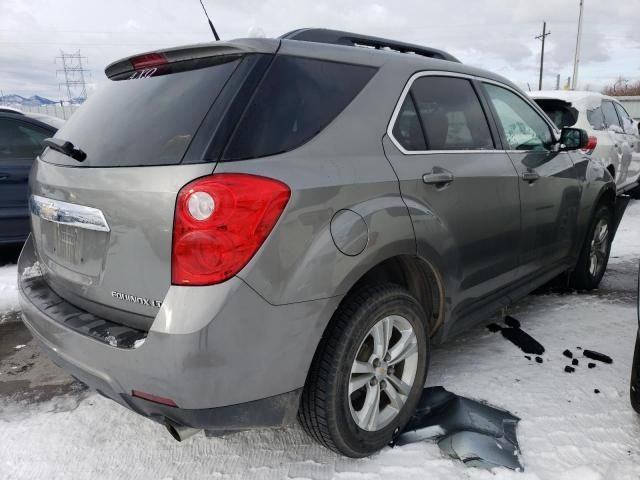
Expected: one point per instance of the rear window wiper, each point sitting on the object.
(66, 147)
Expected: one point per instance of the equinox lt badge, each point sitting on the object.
(132, 298)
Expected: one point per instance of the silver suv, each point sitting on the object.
(233, 235)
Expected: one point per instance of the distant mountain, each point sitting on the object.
(18, 100)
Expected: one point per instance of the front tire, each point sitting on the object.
(595, 251)
(368, 373)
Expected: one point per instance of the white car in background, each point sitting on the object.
(613, 135)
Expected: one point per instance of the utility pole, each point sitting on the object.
(542, 37)
(576, 60)
(558, 82)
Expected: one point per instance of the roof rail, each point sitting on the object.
(336, 37)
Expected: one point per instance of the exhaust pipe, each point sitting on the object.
(181, 433)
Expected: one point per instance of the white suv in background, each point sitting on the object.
(613, 135)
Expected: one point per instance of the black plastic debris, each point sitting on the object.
(511, 322)
(528, 357)
(596, 391)
(568, 354)
(517, 336)
(591, 365)
(539, 359)
(476, 433)
(601, 357)
(575, 362)
(569, 369)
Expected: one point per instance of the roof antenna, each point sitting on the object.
(215, 34)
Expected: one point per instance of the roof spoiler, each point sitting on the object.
(336, 37)
(198, 51)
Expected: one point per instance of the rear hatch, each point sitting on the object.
(102, 225)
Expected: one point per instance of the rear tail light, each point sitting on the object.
(148, 60)
(591, 145)
(220, 222)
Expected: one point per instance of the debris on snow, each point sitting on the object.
(601, 357)
(517, 336)
(569, 369)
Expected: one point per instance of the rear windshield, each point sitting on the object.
(143, 121)
(559, 111)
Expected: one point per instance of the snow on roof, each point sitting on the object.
(586, 99)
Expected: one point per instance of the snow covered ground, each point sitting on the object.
(567, 431)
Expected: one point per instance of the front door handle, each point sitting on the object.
(530, 176)
(438, 176)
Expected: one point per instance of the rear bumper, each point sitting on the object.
(234, 363)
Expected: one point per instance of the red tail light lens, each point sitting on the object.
(148, 60)
(591, 145)
(220, 222)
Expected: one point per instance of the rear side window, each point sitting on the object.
(451, 114)
(596, 118)
(20, 140)
(407, 129)
(296, 100)
(144, 120)
(561, 113)
(610, 115)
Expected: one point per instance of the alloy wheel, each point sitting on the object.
(599, 247)
(383, 373)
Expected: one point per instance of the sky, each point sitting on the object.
(497, 35)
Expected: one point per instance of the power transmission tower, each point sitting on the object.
(74, 75)
(542, 37)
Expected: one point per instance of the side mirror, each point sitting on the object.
(573, 138)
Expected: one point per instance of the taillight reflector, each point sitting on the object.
(214, 239)
(153, 398)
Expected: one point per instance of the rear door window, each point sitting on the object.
(610, 115)
(626, 119)
(144, 120)
(523, 127)
(296, 100)
(451, 114)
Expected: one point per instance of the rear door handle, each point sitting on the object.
(530, 176)
(438, 176)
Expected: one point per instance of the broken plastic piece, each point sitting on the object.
(478, 434)
(569, 369)
(591, 365)
(568, 354)
(574, 362)
(539, 359)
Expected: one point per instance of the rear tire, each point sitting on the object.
(594, 256)
(360, 392)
